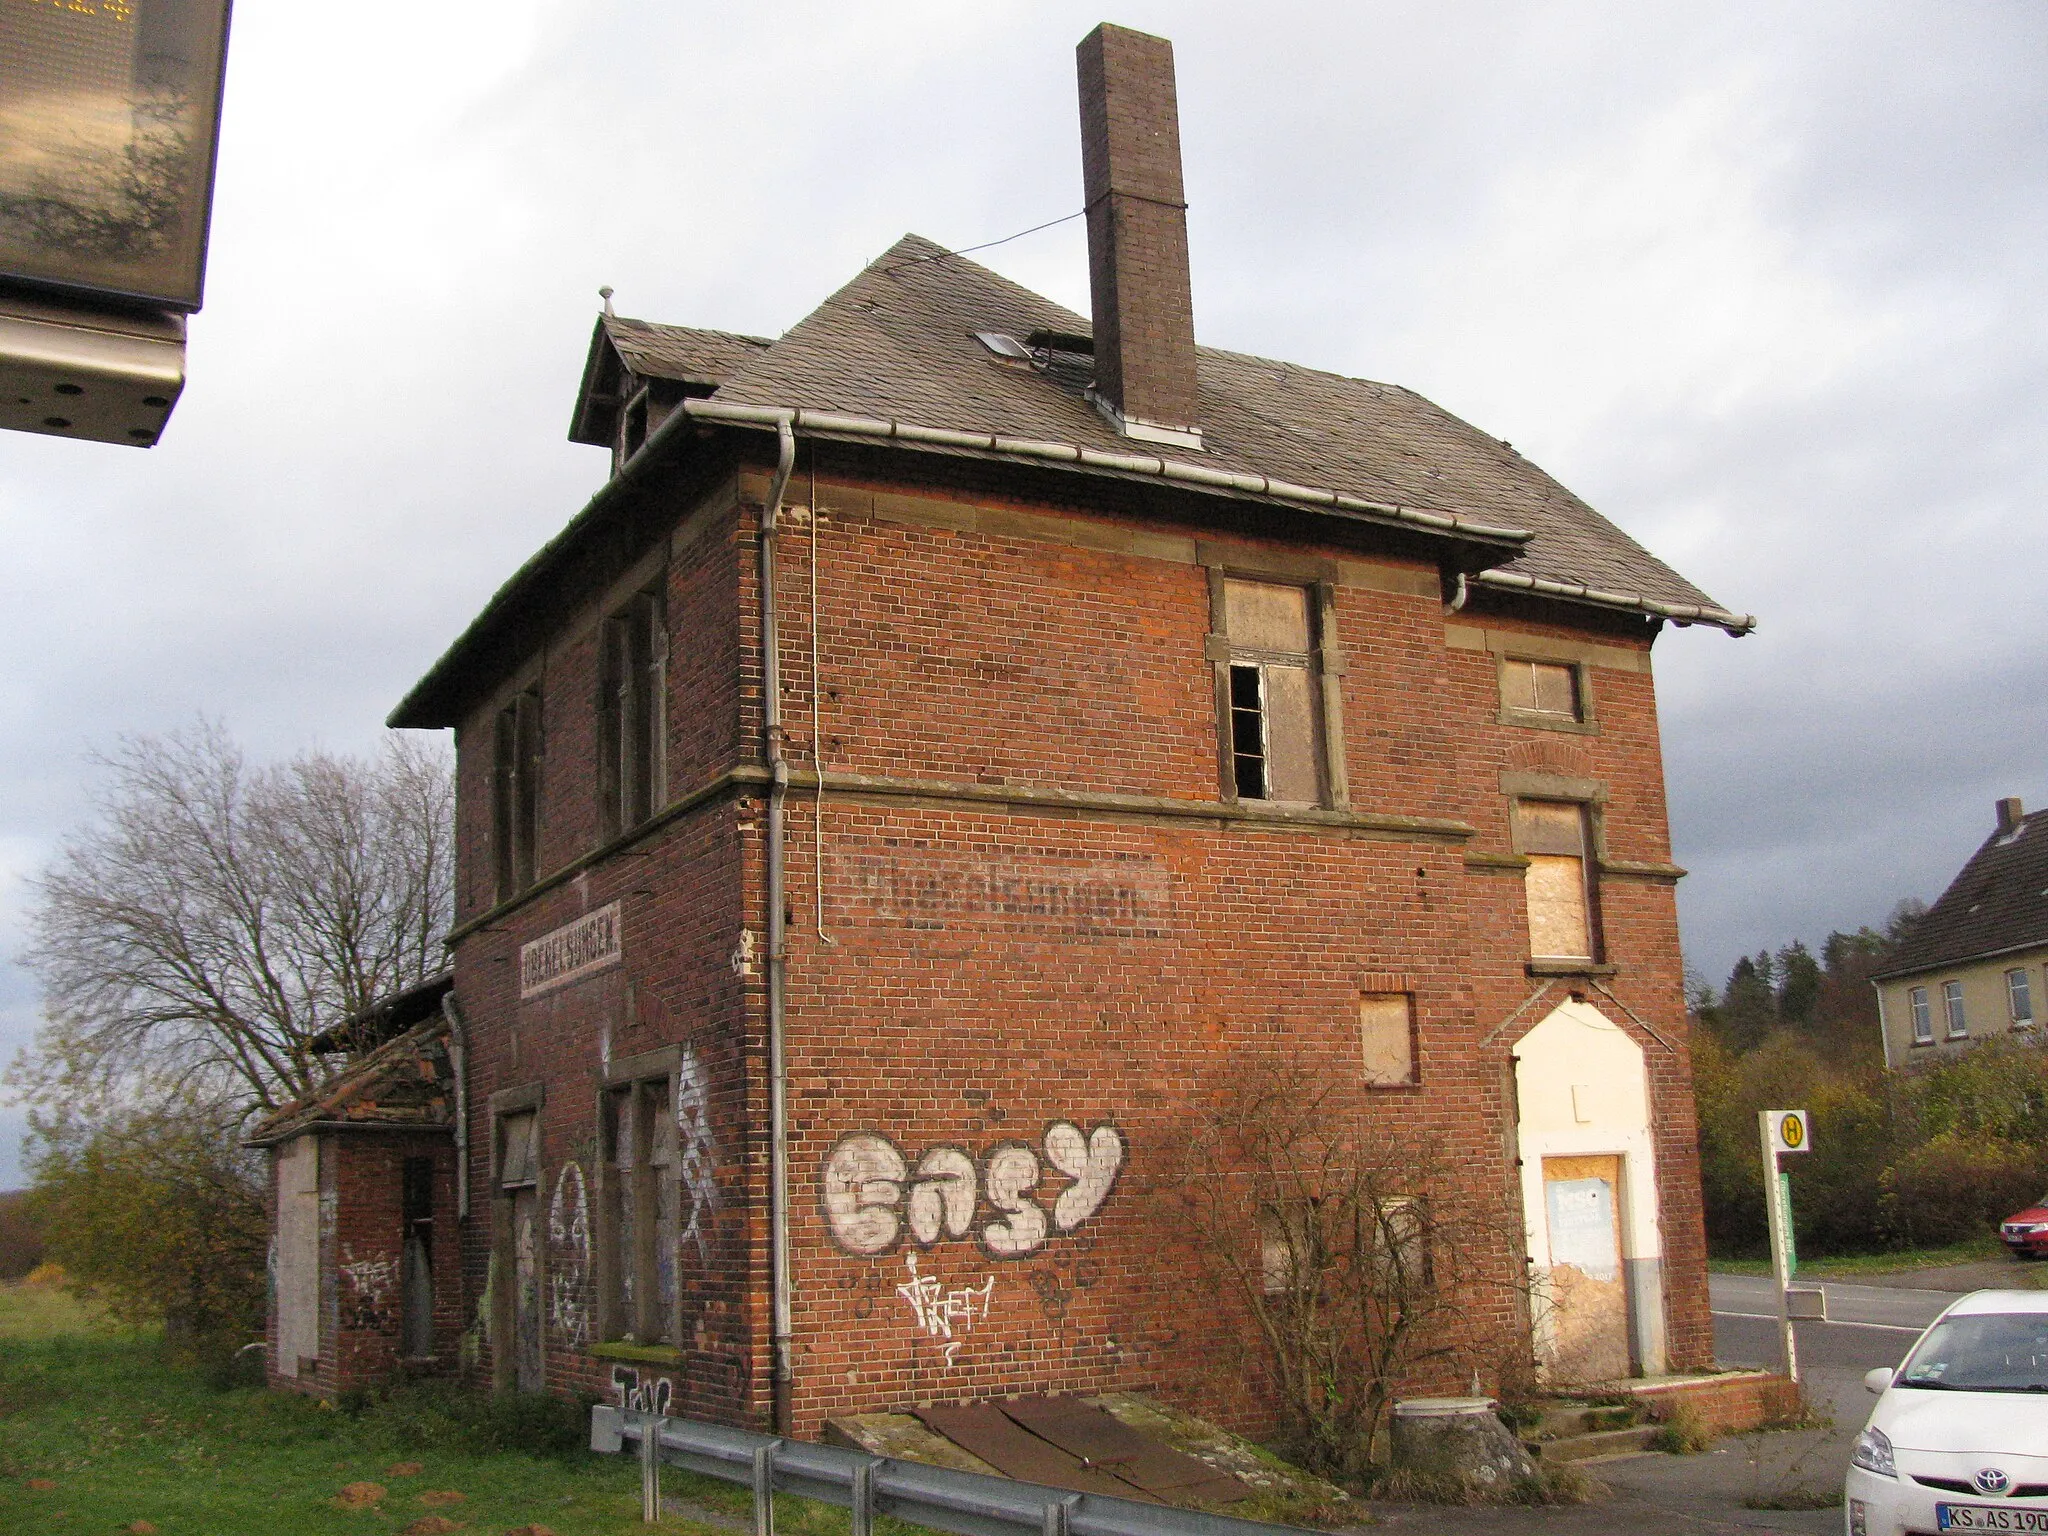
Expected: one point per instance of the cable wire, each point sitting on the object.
(986, 244)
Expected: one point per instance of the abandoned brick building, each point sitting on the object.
(955, 733)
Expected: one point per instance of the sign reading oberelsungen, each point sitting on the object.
(570, 952)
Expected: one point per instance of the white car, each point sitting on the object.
(1958, 1440)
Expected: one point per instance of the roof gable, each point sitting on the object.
(1997, 903)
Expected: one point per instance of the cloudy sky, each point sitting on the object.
(1762, 282)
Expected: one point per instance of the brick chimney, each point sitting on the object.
(1137, 238)
(2009, 813)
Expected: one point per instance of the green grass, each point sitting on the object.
(44, 1312)
(124, 1436)
(1975, 1251)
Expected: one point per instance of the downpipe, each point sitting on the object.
(778, 795)
(458, 1053)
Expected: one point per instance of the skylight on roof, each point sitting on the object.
(1004, 346)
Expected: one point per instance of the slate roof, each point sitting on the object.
(1997, 904)
(897, 347)
(898, 342)
(678, 352)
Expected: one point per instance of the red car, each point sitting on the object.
(2026, 1232)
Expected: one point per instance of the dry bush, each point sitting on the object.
(1362, 1263)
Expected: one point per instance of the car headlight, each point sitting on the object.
(1873, 1453)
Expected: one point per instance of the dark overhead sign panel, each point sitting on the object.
(108, 117)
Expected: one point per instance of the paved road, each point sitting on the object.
(1868, 1325)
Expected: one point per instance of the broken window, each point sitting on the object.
(1551, 689)
(416, 1279)
(1558, 886)
(1273, 727)
(515, 794)
(632, 688)
(1387, 1030)
(639, 1211)
(518, 1157)
(1923, 1017)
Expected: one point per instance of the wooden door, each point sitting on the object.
(529, 1372)
(1588, 1284)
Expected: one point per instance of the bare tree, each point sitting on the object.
(1363, 1263)
(216, 916)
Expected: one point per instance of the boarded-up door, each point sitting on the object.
(526, 1342)
(1588, 1296)
(298, 1255)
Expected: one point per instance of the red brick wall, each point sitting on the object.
(1141, 955)
(361, 1239)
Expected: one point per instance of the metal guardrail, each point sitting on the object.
(966, 1503)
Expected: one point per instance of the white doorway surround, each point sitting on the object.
(1589, 1198)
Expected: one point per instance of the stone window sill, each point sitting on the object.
(651, 1354)
(1569, 968)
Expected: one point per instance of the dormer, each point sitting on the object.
(638, 372)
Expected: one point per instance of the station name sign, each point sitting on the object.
(570, 952)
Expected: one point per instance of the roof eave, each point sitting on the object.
(582, 429)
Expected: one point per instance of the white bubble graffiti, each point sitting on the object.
(871, 1193)
(569, 1262)
(698, 1151)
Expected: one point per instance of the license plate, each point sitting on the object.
(1990, 1517)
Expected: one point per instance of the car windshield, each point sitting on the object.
(1982, 1352)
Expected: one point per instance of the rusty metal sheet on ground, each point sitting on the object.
(1016, 1452)
(1099, 1439)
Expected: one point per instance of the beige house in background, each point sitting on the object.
(1973, 967)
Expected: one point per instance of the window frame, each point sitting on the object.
(1322, 663)
(1581, 717)
(2019, 993)
(1588, 858)
(632, 713)
(1414, 1078)
(635, 1314)
(1921, 1012)
(1955, 1016)
(518, 749)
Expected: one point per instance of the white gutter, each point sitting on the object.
(778, 418)
(1680, 613)
(1068, 453)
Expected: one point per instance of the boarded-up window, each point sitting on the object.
(518, 1157)
(1387, 1029)
(1552, 835)
(1276, 1254)
(640, 1212)
(1541, 688)
(298, 1255)
(632, 685)
(515, 794)
(1275, 736)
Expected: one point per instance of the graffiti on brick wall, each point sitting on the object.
(370, 1283)
(696, 1153)
(873, 1194)
(637, 1394)
(942, 1311)
(569, 1256)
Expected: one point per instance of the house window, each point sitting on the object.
(1923, 1017)
(632, 687)
(1387, 1029)
(515, 794)
(1273, 722)
(1552, 690)
(1558, 886)
(641, 1199)
(1952, 1004)
(518, 1234)
(2019, 998)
